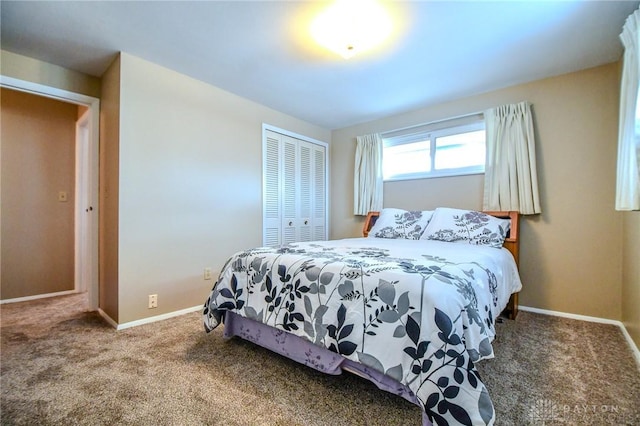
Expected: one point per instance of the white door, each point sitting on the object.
(83, 207)
(319, 213)
(306, 192)
(289, 190)
(294, 189)
(271, 235)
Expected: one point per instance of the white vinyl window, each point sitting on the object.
(448, 151)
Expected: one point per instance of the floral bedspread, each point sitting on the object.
(419, 311)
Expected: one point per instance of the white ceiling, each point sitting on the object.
(261, 50)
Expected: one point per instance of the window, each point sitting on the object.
(435, 151)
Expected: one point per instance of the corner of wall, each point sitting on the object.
(631, 275)
(109, 189)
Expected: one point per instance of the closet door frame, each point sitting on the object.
(325, 145)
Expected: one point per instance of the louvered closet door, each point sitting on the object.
(319, 211)
(294, 190)
(307, 191)
(271, 190)
(290, 190)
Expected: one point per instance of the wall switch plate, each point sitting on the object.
(153, 301)
(207, 273)
(62, 196)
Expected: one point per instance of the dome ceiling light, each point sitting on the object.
(350, 27)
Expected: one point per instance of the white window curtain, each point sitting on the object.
(511, 179)
(628, 179)
(367, 179)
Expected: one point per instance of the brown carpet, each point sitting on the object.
(61, 365)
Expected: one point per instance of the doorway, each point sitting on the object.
(86, 184)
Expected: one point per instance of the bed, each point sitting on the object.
(411, 306)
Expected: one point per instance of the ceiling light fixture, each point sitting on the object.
(349, 27)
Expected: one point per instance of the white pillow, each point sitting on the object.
(466, 226)
(400, 224)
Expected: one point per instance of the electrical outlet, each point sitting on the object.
(207, 273)
(153, 301)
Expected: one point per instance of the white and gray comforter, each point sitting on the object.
(419, 311)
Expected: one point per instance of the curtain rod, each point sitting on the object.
(415, 126)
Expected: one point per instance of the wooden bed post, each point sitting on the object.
(369, 222)
(511, 243)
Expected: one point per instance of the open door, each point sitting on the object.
(87, 174)
(83, 207)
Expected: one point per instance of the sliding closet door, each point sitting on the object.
(295, 190)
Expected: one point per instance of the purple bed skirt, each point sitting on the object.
(304, 352)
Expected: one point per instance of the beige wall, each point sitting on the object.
(190, 184)
(34, 71)
(38, 161)
(571, 253)
(631, 275)
(109, 182)
(191, 178)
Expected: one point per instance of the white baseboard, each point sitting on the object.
(108, 319)
(149, 320)
(627, 336)
(37, 296)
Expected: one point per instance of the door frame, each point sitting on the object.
(92, 176)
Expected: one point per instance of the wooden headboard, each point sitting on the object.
(511, 243)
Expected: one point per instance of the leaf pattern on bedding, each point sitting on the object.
(358, 301)
(407, 224)
(471, 227)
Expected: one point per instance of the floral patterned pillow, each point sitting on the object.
(400, 224)
(466, 226)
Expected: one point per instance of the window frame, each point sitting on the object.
(431, 135)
